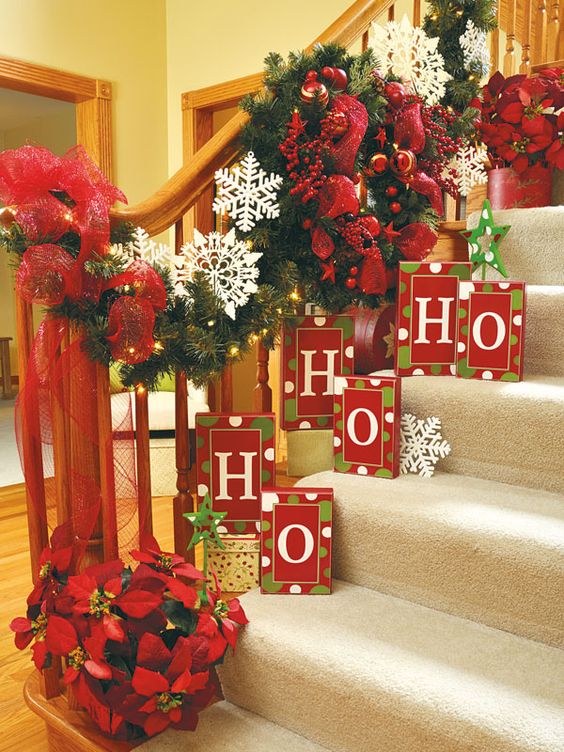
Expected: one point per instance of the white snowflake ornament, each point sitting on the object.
(469, 164)
(228, 264)
(474, 47)
(422, 445)
(408, 52)
(247, 193)
(143, 247)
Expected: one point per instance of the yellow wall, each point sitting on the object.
(123, 42)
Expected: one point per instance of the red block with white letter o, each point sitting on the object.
(426, 317)
(235, 459)
(366, 430)
(296, 529)
(491, 330)
(314, 349)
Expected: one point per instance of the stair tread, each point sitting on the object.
(461, 681)
(485, 550)
(531, 230)
(512, 432)
(224, 726)
(544, 330)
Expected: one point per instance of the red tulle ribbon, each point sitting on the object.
(337, 196)
(343, 153)
(409, 133)
(416, 241)
(64, 454)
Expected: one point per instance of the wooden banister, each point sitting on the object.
(171, 202)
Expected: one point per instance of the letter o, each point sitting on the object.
(373, 420)
(477, 330)
(283, 544)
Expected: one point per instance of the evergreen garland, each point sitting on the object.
(447, 20)
(192, 333)
(288, 262)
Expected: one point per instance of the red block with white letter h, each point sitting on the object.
(426, 321)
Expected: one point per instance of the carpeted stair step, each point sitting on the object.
(509, 432)
(482, 550)
(544, 330)
(360, 671)
(532, 250)
(227, 728)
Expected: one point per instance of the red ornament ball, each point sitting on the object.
(307, 223)
(353, 271)
(403, 162)
(340, 79)
(395, 207)
(392, 191)
(350, 283)
(339, 124)
(372, 225)
(395, 93)
(377, 164)
(313, 90)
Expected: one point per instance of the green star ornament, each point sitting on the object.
(205, 522)
(486, 253)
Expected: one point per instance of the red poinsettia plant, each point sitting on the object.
(522, 120)
(139, 644)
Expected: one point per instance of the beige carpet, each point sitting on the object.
(482, 550)
(231, 729)
(359, 671)
(533, 250)
(544, 330)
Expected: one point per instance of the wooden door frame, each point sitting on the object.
(198, 107)
(92, 96)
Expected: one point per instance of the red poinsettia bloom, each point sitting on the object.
(62, 639)
(29, 629)
(166, 692)
(217, 622)
(555, 152)
(165, 562)
(53, 567)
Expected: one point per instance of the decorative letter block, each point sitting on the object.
(296, 540)
(491, 330)
(235, 458)
(426, 328)
(314, 349)
(367, 425)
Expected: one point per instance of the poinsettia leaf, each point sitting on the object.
(137, 603)
(20, 624)
(61, 636)
(147, 683)
(183, 592)
(189, 570)
(156, 723)
(152, 653)
(106, 571)
(179, 616)
(125, 578)
(98, 670)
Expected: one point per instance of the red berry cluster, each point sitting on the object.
(358, 232)
(304, 161)
(436, 121)
(304, 156)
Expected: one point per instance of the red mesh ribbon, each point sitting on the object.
(131, 320)
(372, 279)
(343, 154)
(416, 241)
(62, 452)
(409, 133)
(336, 197)
(29, 178)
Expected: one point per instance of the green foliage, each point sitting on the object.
(447, 20)
(288, 261)
(192, 333)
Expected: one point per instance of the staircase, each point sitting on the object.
(445, 629)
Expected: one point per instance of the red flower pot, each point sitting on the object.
(508, 189)
(371, 351)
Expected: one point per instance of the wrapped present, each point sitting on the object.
(237, 565)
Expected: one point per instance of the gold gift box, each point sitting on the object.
(237, 565)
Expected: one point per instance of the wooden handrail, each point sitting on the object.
(171, 202)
